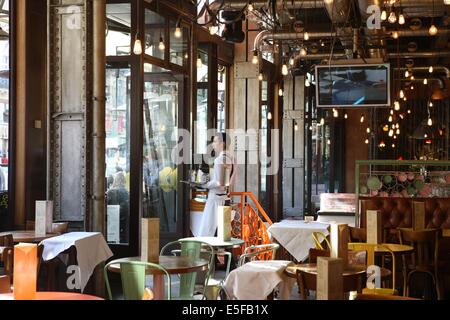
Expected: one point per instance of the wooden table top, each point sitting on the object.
(394, 247)
(311, 268)
(54, 296)
(216, 242)
(27, 236)
(173, 264)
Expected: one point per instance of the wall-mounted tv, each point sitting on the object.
(365, 85)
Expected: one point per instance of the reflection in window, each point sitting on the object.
(160, 173)
(117, 124)
(4, 95)
(179, 45)
(155, 26)
(264, 195)
(222, 98)
(118, 36)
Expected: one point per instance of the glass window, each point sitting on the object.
(222, 88)
(160, 173)
(117, 123)
(4, 95)
(179, 44)
(202, 67)
(118, 36)
(155, 27)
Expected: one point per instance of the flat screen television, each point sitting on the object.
(365, 85)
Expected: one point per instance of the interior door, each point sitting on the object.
(162, 117)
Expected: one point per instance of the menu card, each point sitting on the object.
(224, 223)
(44, 218)
(150, 240)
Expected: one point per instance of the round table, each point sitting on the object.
(54, 296)
(311, 269)
(395, 248)
(216, 242)
(219, 247)
(27, 236)
(173, 265)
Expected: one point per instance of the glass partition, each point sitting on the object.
(155, 27)
(118, 33)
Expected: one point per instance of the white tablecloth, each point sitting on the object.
(92, 249)
(256, 280)
(296, 236)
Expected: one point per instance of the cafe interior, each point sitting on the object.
(224, 150)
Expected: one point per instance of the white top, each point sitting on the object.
(217, 181)
(256, 280)
(92, 249)
(296, 236)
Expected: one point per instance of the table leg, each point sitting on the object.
(159, 286)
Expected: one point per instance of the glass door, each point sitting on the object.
(163, 95)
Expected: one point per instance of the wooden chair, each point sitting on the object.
(358, 234)
(317, 236)
(425, 258)
(261, 252)
(60, 227)
(7, 253)
(370, 250)
(5, 284)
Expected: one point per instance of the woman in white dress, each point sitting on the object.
(224, 164)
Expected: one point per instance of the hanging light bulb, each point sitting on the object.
(409, 111)
(296, 126)
(345, 116)
(335, 113)
(401, 94)
(391, 133)
(431, 104)
(269, 116)
(393, 126)
(383, 15)
(395, 137)
(395, 34)
(291, 61)
(412, 77)
(390, 119)
(307, 82)
(391, 112)
(430, 122)
(430, 70)
(137, 49)
(401, 19)
(322, 121)
(404, 99)
(306, 36)
(255, 59)
(186, 56)
(303, 52)
(397, 126)
(396, 106)
(280, 92)
(386, 128)
(425, 81)
(284, 70)
(161, 45)
(392, 17)
(362, 119)
(397, 132)
(199, 62)
(412, 88)
(250, 7)
(178, 33)
(407, 74)
(261, 77)
(368, 130)
(433, 30)
(328, 142)
(367, 141)
(393, 146)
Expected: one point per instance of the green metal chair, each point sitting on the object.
(195, 250)
(133, 278)
(252, 253)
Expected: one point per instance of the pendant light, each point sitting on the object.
(137, 48)
(433, 29)
(261, 77)
(383, 15)
(430, 70)
(161, 45)
(392, 17)
(255, 59)
(269, 115)
(178, 33)
(303, 52)
(284, 70)
(407, 74)
(280, 92)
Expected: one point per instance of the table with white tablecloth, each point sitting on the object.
(256, 280)
(296, 236)
(91, 248)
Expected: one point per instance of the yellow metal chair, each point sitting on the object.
(319, 235)
(371, 249)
